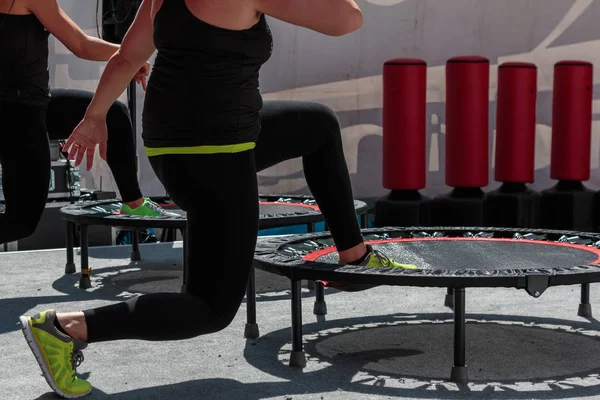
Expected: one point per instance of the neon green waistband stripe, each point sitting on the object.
(226, 148)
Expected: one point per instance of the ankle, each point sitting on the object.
(135, 203)
(354, 254)
(73, 324)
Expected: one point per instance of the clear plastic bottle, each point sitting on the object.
(73, 179)
(1, 190)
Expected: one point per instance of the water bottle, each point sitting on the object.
(73, 179)
(1, 190)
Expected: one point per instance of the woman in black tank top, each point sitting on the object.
(27, 102)
(207, 133)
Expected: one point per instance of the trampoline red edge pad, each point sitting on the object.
(313, 256)
(271, 256)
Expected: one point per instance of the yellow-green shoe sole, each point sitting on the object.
(35, 349)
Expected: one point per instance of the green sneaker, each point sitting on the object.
(57, 354)
(375, 259)
(148, 209)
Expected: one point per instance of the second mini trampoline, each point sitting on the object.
(275, 211)
(451, 257)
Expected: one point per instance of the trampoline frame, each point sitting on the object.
(133, 224)
(534, 283)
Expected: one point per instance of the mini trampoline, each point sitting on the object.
(275, 211)
(451, 257)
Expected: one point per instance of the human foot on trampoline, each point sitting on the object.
(57, 354)
(148, 208)
(372, 259)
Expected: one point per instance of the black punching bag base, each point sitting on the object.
(568, 205)
(460, 207)
(402, 208)
(513, 205)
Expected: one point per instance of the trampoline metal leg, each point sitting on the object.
(184, 233)
(168, 235)
(364, 221)
(251, 329)
(297, 358)
(585, 308)
(459, 370)
(310, 285)
(70, 265)
(320, 307)
(449, 300)
(84, 282)
(135, 246)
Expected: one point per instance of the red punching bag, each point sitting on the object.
(571, 120)
(467, 121)
(515, 123)
(404, 119)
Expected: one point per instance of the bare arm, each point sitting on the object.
(69, 33)
(135, 50)
(330, 17)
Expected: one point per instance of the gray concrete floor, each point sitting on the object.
(388, 342)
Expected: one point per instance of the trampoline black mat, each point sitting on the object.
(107, 212)
(444, 256)
(275, 211)
(480, 254)
(269, 209)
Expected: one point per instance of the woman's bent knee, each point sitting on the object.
(214, 324)
(326, 122)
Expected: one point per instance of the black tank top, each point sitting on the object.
(24, 76)
(203, 89)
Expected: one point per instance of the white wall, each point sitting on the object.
(345, 74)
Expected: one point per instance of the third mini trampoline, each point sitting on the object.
(450, 257)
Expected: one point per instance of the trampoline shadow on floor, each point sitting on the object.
(148, 251)
(121, 282)
(409, 355)
(112, 284)
(213, 389)
(165, 275)
(405, 355)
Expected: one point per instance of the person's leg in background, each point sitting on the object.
(292, 129)
(218, 269)
(25, 160)
(67, 108)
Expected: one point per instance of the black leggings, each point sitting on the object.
(66, 110)
(25, 155)
(220, 195)
(25, 160)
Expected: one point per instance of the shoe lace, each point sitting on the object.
(76, 359)
(154, 206)
(159, 209)
(385, 261)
